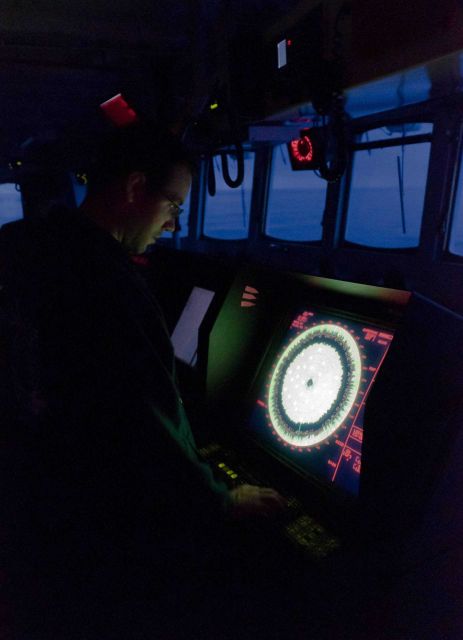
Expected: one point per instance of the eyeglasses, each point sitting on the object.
(178, 209)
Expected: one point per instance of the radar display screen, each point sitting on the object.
(311, 406)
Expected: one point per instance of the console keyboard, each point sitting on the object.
(295, 523)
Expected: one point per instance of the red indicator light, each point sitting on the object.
(248, 296)
(304, 152)
(289, 43)
(250, 289)
(118, 111)
(302, 149)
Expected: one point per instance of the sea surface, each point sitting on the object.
(374, 218)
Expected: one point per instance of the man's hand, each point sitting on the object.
(249, 501)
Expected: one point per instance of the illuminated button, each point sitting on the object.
(221, 465)
(234, 475)
(230, 472)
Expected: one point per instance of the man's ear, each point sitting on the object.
(135, 187)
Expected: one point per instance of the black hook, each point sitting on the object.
(240, 172)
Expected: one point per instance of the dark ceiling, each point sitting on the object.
(60, 59)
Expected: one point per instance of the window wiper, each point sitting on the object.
(401, 193)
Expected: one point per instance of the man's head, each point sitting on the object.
(138, 180)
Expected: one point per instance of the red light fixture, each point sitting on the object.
(118, 111)
(305, 151)
(302, 149)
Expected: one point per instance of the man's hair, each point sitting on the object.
(142, 146)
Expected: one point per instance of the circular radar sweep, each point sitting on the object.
(314, 385)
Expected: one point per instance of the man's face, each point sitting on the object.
(157, 212)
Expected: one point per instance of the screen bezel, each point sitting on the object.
(330, 491)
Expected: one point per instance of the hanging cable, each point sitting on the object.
(211, 184)
(401, 193)
(402, 169)
(240, 167)
(334, 161)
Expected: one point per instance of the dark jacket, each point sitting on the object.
(99, 465)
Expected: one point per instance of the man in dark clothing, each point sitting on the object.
(103, 493)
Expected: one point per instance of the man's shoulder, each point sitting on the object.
(14, 230)
(32, 249)
(17, 240)
(28, 230)
(64, 250)
(58, 233)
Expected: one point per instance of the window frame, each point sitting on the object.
(457, 176)
(357, 131)
(286, 241)
(427, 268)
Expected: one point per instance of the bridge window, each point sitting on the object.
(185, 217)
(296, 201)
(456, 233)
(226, 215)
(11, 207)
(80, 190)
(388, 185)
